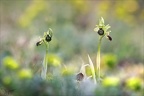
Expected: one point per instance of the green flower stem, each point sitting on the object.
(98, 57)
(102, 30)
(46, 48)
(45, 61)
(47, 37)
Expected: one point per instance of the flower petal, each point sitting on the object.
(109, 37)
(107, 27)
(96, 29)
(101, 22)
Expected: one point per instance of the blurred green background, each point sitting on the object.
(22, 22)
(73, 22)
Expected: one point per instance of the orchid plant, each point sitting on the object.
(102, 30)
(47, 37)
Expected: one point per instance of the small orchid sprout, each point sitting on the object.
(47, 37)
(102, 30)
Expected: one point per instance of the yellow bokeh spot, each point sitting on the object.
(31, 12)
(134, 83)
(25, 73)
(120, 11)
(10, 63)
(109, 60)
(6, 80)
(126, 10)
(69, 70)
(80, 5)
(53, 60)
(104, 7)
(88, 71)
(130, 5)
(111, 81)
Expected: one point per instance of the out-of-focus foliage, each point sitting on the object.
(122, 10)
(111, 81)
(10, 63)
(25, 73)
(24, 83)
(134, 83)
(54, 60)
(32, 12)
(72, 27)
(67, 70)
(109, 60)
(72, 21)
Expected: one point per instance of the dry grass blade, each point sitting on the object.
(92, 69)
